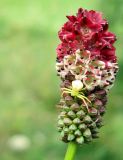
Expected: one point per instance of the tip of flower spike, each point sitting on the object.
(87, 30)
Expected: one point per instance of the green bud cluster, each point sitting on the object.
(76, 122)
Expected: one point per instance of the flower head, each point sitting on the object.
(89, 31)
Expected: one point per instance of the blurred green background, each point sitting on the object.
(29, 87)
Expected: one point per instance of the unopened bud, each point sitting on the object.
(91, 97)
(75, 107)
(73, 127)
(87, 119)
(76, 121)
(61, 102)
(87, 133)
(69, 100)
(63, 114)
(80, 140)
(95, 131)
(71, 137)
(66, 108)
(66, 130)
(93, 125)
(80, 114)
(100, 93)
(102, 110)
(82, 127)
(60, 123)
(62, 134)
(93, 111)
(71, 114)
(78, 133)
(98, 103)
(67, 121)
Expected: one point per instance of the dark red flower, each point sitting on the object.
(108, 54)
(89, 31)
(94, 20)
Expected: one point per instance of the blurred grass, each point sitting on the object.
(29, 87)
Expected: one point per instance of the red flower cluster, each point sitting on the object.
(87, 31)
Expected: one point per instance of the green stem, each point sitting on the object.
(71, 150)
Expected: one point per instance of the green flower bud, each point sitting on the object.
(93, 111)
(87, 133)
(61, 103)
(66, 108)
(98, 103)
(67, 121)
(75, 107)
(92, 97)
(66, 130)
(73, 127)
(93, 125)
(59, 129)
(83, 108)
(100, 93)
(95, 131)
(70, 137)
(64, 139)
(78, 133)
(60, 123)
(69, 100)
(62, 134)
(71, 114)
(63, 114)
(76, 121)
(87, 119)
(80, 114)
(80, 140)
(82, 127)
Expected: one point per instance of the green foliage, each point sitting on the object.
(29, 87)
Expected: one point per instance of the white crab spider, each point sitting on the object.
(77, 91)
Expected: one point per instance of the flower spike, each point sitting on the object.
(87, 66)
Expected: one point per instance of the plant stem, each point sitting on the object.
(71, 150)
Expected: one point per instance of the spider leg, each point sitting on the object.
(81, 97)
(65, 92)
(66, 89)
(96, 120)
(82, 93)
(85, 104)
(85, 98)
